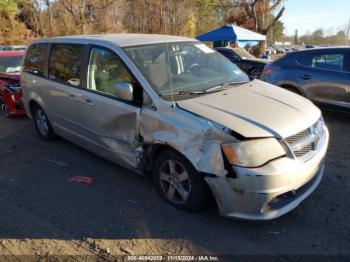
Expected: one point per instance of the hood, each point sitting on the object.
(11, 76)
(256, 109)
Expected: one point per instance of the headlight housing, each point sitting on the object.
(253, 153)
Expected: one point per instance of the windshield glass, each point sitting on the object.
(243, 54)
(184, 67)
(10, 64)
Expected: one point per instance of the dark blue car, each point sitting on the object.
(320, 74)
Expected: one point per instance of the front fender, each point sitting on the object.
(188, 134)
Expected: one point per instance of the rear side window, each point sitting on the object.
(324, 61)
(34, 61)
(65, 63)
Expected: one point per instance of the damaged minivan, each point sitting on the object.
(176, 109)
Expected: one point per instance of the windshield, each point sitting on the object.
(243, 54)
(10, 64)
(184, 67)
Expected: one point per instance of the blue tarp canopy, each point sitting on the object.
(231, 32)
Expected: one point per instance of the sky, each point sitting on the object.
(310, 15)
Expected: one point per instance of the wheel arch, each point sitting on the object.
(33, 100)
(292, 87)
(150, 154)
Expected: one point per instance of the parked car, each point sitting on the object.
(278, 49)
(251, 65)
(320, 74)
(176, 109)
(11, 102)
(19, 47)
(270, 50)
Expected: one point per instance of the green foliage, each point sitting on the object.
(278, 29)
(208, 17)
(8, 6)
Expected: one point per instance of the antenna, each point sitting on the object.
(170, 75)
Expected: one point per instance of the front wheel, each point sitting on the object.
(42, 124)
(4, 109)
(179, 183)
(254, 73)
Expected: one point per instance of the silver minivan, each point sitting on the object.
(178, 110)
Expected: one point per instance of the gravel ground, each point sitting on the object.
(42, 214)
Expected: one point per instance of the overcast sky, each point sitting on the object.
(310, 15)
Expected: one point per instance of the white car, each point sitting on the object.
(175, 108)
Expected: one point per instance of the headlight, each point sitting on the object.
(253, 153)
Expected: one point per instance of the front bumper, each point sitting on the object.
(269, 191)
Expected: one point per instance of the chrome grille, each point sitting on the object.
(305, 141)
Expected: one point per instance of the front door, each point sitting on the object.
(325, 78)
(110, 123)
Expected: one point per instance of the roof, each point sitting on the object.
(123, 40)
(11, 53)
(231, 32)
(317, 49)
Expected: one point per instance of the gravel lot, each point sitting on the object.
(43, 214)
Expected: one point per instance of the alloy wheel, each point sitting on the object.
(42, 122)
(175, 181)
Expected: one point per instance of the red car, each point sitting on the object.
(11, 101)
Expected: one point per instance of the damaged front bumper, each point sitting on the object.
(269, 191)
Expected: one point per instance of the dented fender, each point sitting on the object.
(194, 137)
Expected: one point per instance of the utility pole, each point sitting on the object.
(296, 37)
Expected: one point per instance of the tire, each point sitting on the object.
(255, 73)
(179, 183)
(4, 110)
(42, 124)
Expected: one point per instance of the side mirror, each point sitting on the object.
(125, 91)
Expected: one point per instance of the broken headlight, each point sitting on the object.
(253, 153)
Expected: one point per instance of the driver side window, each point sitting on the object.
(106, 70)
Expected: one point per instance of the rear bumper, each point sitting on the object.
(270, 191)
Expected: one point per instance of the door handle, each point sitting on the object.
(73, 97)
(306, 77)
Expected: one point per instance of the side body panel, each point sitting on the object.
(112, 127)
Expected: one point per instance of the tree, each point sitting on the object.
(207, 15)
(261, 13)
(11, 30)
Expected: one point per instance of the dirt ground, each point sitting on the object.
(42, 214)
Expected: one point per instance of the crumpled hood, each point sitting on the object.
(256, 109)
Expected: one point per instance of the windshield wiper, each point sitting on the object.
(223, 86)
(185, 93)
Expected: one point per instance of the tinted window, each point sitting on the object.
(324, 61)
(35, 59)
(106, 69)
(65, 63)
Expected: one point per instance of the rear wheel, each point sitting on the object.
(179, 183)
(42, 124)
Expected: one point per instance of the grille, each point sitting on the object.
(298, 137)
(305, 141)
(301, 152)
